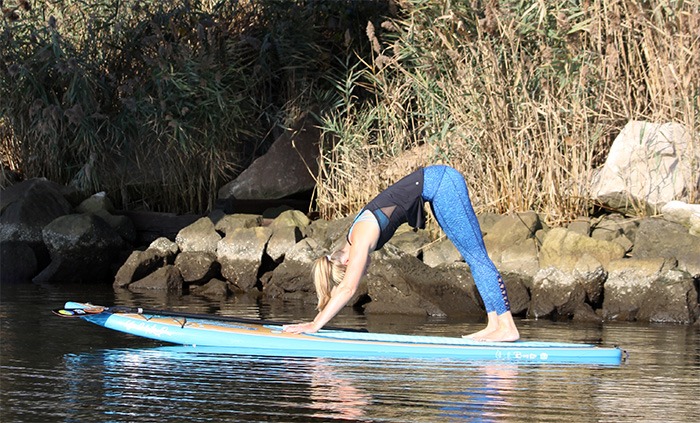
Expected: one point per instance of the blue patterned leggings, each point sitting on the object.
(446, 191)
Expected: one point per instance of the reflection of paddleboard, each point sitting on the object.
(248, 336)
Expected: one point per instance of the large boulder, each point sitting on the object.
(200, 236)
(240, 254)
(289, 167)
(82, 247)
(166, 279)
(287, 230)
(648, 165)
(291, 280)
(628, 284)
(685, 214)
(161, 252)
(25, 208)
(510, 231)
(556, 293)
(563, 249)
(197, 267)
(100, 205)
(398, 283)
(672, 298)
(657, 237)
(28, 206)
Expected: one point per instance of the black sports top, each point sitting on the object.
(400, 203)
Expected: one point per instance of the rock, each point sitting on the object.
(410, 241)
(199, 236)
(96, 203)
(390, 292)
(607, 229)
(293, 218)
(441, 252)
(28, 206)
(288, 229)
(487, 221)
(140, 264)
(281, 241)
(165, 248)
(82, 249)
(214, 289)
(585, 313)
(671, 298)
(658, 237)
(580, 226)
(227, 223)
(509, 231)
(100, 205)
(166, 278)
(18, 262)
(555, 292)
(591, 275)
(288, 168)
(398, 283)
(563, 249)
(291, 280)
(517, 288)
(627, 285)
(648, 165)
(330, 234)
(197, 266)
(520, 258)
(240, 254)
(682, 213)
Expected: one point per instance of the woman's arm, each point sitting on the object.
(365, 236)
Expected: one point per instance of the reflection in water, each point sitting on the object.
(487, 397)
(183, 382)
(333, 394)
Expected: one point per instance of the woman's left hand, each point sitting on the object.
(300, 328)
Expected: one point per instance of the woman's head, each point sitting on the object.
(327, 272)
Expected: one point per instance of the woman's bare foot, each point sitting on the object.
(500, 328)
(483, 332)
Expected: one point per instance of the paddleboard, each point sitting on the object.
(247, 336)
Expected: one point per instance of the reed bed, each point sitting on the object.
(523, 97)
(159, 103)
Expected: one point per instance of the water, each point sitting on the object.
(67, 370)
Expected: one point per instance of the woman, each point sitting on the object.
(337, 276)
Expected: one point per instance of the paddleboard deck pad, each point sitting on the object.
(248, 336)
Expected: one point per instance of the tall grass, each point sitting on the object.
(160, 102)
(523, 97)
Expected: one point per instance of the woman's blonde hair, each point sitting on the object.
(326, 273)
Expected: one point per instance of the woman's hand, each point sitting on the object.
(309, 327)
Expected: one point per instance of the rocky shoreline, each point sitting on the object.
(596, 269)
(610, 268)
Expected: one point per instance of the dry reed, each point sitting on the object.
(524, 98)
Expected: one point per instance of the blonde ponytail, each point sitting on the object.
(326, 274)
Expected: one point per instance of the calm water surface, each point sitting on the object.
(67, 370)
